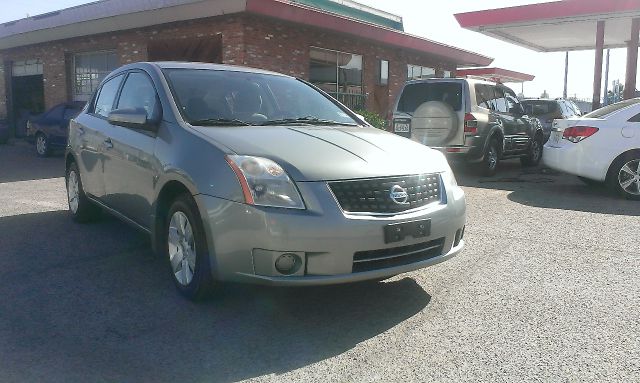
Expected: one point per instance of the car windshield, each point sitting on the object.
(539, 108)
(234, 98)
(610, 109)
(417, 94)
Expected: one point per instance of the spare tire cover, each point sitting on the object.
(434, 123)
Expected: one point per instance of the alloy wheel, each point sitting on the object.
(629, 177)
(182, 248)
(41, 145)
(73, 191)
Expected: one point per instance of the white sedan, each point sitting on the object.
(602, 146)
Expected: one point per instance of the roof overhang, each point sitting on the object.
(289, 11)
(116, 15)
(557, 26)
(498, 75)
(111, 16)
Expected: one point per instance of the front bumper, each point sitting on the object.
(326, 238)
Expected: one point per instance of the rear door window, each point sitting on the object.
(417, 94)
(485, 96)
(501, 102)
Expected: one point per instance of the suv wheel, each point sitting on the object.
(81, 209)
(42, 145)
(491, 158)
(625, 176)
(534, 155)
(186, 250)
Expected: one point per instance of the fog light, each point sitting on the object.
(288, 263)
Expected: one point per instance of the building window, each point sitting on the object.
(339, 74)
(383, 72)
(416, 72)
(27, 68)
(89, 70)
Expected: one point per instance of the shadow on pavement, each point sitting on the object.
(546, 188)
(19, 162)
(91, 302)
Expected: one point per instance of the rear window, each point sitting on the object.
(539, 108)
(609, 109)
(415, 95)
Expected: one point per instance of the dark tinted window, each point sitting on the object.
(415, 95)
(486, 96)
(138, 93)
(501, 102)
(70, 113)
(539, 107)
(55, 114)
(107, 96)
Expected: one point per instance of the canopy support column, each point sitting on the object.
(597, 75)
(632, 61)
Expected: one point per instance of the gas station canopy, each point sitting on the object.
(558, 26)
(568, 25)
(498, 75)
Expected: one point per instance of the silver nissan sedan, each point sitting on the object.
(245, 175)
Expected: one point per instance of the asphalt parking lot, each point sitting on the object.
(546, 290)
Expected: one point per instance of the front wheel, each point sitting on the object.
(42, 145)
(186, 250)
(534, 154)
(489, 164)
(625, 176)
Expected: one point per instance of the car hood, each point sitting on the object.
(311, 153)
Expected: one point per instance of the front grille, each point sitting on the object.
(374, 195)
(397, 256)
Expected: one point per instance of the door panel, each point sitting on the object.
(520, 125)
(130, 166)
(129, 171)
(87, 134)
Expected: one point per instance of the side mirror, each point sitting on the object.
(132, 118)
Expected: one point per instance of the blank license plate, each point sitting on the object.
(556, 136)
(401, 127)
(398, 231)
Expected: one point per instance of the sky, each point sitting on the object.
(434, 20)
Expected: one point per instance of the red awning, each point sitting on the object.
(296, 13)
(498, 75)
(557, 26)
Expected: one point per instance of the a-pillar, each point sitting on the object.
(632, 61)
(597, 76)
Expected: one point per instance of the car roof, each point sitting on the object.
(197, 65)
(471, 81)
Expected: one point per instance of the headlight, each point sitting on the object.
(265, 183)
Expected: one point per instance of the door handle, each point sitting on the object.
(108, 144)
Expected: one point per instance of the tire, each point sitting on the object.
(42, 145)
(185, 249)
(82, 210)
(534, 154)
(624, 176)
(489, 164)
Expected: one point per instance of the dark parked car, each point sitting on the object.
(51, 129)
(469, 120)
(548, 110)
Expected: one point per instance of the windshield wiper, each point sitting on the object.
(305, 120)
(219, 122)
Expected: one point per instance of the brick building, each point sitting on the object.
(358, 54)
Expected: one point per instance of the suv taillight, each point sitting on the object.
(470, 124)
(576, 134)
